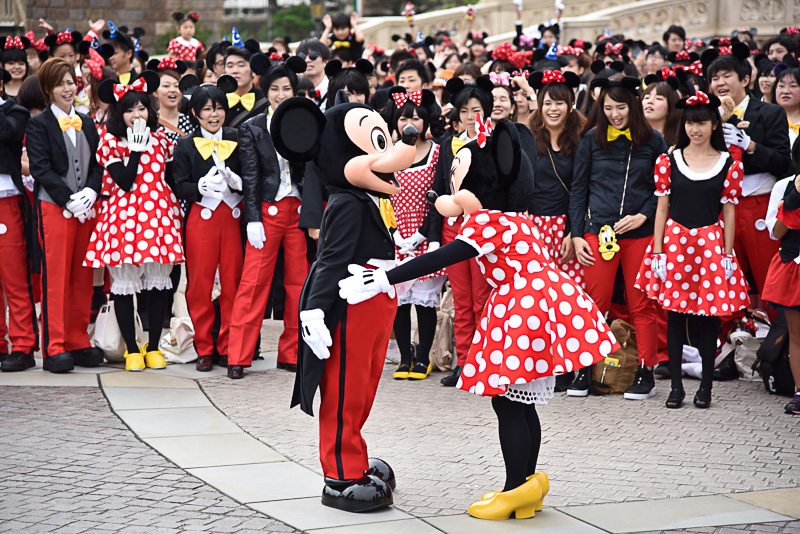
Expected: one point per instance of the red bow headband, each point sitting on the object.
(140, 86)
(613, 49)
(414, 96)
(666, 72)
(699, 98)
(274, 56)
(95, 63)
(484, 129)
(524, 73)
(725, 41)
(38, 45)
(696, 68)
(14, 42)
(792, 30)
(683, 55)
(574, 50)
(63, 38)
(503, 52)
(520, 59)
(553, 76)
(193, 15)
(167, 63)
(725, 50)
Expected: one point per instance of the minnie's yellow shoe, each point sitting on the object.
(420, 371)
(544, 483)
(521, 502)
(134, 362)
(154, 358)
(401, 373)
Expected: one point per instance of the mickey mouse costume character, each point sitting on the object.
(344, 346)
(536, 324)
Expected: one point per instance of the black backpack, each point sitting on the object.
(772, 359)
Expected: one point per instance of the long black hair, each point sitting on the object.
(702, 113)
(116, 122)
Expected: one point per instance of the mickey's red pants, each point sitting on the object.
(349, 383)
(641, 310)
(15, 278)
(280, 221)
(754, 248)
(208, 243)
(66, 283)
(470, 293)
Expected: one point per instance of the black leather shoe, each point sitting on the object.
(223, 360)
(204, 363)
(17, 361)
(364, 494)
(3, 356)
(59, 363)
(88, 357)
(235, 371)
(675, 399)
(451, 380)
(703, 398)
(382, 470)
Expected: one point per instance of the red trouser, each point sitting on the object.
(349, 383)
(641, 310)
(754, 248)
(280, 225)
(208, 243)
(470, 292)
(16, 279)
(66, 283)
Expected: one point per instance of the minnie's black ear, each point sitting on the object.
(708, 56)
(651, 78)
(50, 40)
(296, 129)
(152, 80)
(429, 41)
(333, 67)
(597, 65)
(259, 63)
(43, 56)
(296, 64)
(83, 47)
(153, 65)
(5, 76)
(397, 89)
(538, 55)
(673, 82)
(535, 79)
(253, 46)
(484, 83)
(187, 82)
(428, 97)
(227, 83)
(364, 66)
(505, 150)
(454, 85)
(106, 50)
(740, 50)
(618, 66)
(105, 91)
(573, 80)
(182, 66)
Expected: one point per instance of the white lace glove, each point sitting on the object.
(315, 334)
(736, 137)
(212, 185)
(412, 243)
(256, 235)
(727, 264)
(139, 136)
(433, 245)
(363, 284)
(81, 202)
(233, 180)
(659, 266)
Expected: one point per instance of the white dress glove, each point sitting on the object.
(139, 136)
(399, 240)
(212, 185)
(659, 266)
(363, 284)
(412, 243)
(736, 137)
(315, 334)
(433, 245)
(233, 180)
(727, 264)
(81, 202)
(256, 235)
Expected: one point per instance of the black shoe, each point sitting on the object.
(727, 369)
(382, 470)
(291, 367)
(280, 365)
(703, 398)
(676, 397)
(644, 385)
(451, 380)
(88, 357)
(3, 356)
(580, 386)
(662, 370)
(223, 360)
(235, 371)
(59, 363)
(17, 361)
(563, 381)
(364, 494)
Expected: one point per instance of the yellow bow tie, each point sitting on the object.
(125, 78)
(738, 112)
(341, 44)
(70, 122)
(387, 213)
(614, 133)
(248, 100)
(206, 147)
(795, 127)
(82, 101)
(456, 144)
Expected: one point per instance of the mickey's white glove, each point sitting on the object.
(517, 4)
(87, 215)
(433, 245)
(363, 284)
(736, 137)
(412, 243)
(29, 182)
(81, 202)
(139, 136)
(560, 6)
(659, 266)
(399, 240)
(212, 185)
(315, 334)
(233, 180)
(727, 264)
(256, 235)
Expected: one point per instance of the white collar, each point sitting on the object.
(208, 135)
(185, 42)
(58, 112)
(465, 137)
(323, 86)
(2, 101)
(683, 167)
(743, 104)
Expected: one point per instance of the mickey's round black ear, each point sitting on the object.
(618, 66)
(708, 56)
(50, 40)
(181, 66)
(484, 83)
(396, 37)
(143, 55)
(673, 82)
(602, 83)
(740, 50)
(83, 47)
(454, 85)
(227, 83)
(573, 80)
(223, 45)
(538, 55)
(429, 41)
(152, 80)
(153, 64)
(333, 67)
(105, 91)
(296, 129)
(252, 45)
(597, 65)
(106, 50)
(563, 61)
(187, 82)
(505, 150)
(364, 66)
(542, 28)
(296, 64)
(651, 78)
(535, 79)
(259, 63)
(631, 83)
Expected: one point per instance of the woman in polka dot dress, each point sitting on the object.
(537, 323)
(690, 268)
(185, 47)
(138, 235)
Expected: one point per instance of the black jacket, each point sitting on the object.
(773, 153)
(551, 188)
(598, 183)
(261, 173)
(47, 155)
(314, 198)
(238, 114)
(352, 232)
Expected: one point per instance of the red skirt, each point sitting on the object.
(695, 281)
(783, 283)
(551, 230)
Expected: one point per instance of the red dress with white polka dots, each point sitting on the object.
(185, 50)
(695, 281)
(142, 225)
(552, 230)
(537, 322)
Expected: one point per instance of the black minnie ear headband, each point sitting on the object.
(630, 83)
(540, 79)
(699, 99)
(665, 74)
(111, 92)
(189, 82)
(334, 67)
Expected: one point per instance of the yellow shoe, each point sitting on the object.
(134, 362)
(420, 372)
(401, 373)
(544, 483)
(155, 359)
(521, 502)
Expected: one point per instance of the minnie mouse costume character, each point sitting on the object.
(355, 159)
(520, 344)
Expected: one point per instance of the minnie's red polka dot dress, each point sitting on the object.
(185, 50)
(552, 229)
(142, 225)
(537, 322)
(695, 281)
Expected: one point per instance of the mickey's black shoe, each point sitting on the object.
(88, 357)
(382, 470)
(364, 494)
(17, 361)
(451, 380)
(59, 363)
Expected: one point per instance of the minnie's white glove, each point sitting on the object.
(659, 266)
(315, 334)
(233, 180)
(212, 185)
(412, 243)
(256, 235)
(727, 264)
(139, 136)
(735, 136)
(363, 284)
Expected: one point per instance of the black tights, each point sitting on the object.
(702, 333)
(156, 307)
(520, 439)
(426, 325)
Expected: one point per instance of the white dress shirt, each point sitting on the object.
(229, 197)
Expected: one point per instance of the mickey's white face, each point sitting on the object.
(462, 200)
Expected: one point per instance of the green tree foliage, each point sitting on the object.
(294, 21)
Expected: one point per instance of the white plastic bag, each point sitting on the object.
(178, 344)
(107, 336)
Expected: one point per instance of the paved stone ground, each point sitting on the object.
(788, 527)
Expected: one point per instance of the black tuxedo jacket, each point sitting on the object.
(768, 129)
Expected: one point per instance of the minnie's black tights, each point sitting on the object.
(426, 325)
(520, 439)
(702, 332)
(123, 309)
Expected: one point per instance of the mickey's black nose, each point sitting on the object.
(410, 134)
(431, 196)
